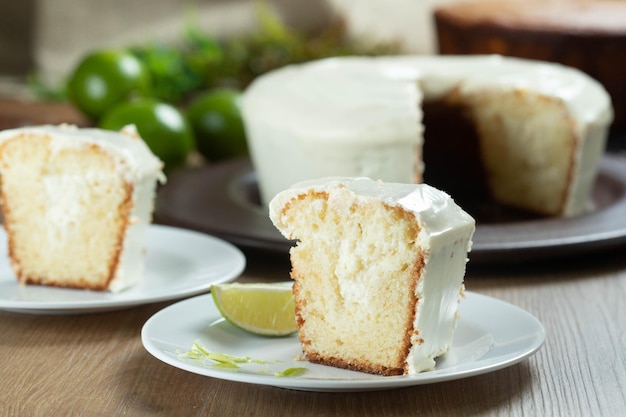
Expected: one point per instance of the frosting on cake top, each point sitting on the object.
(126, 145)
(348, 100)
(361, 116)
(435, 211)
(334, 96)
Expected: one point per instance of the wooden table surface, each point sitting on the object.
(95, 364)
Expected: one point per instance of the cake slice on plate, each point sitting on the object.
(76, 205)
(378, 271)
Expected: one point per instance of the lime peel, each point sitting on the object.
(233, 363)
(290, 372)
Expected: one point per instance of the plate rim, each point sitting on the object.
(369, 382)
(114, 301)
(492, 244)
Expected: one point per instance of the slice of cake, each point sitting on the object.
(76, 205)
(378, 271)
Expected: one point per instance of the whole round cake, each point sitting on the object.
(588, 35)
(524, 133)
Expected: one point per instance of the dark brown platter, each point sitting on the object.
(223, 200)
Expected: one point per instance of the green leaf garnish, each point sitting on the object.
(291, 372)
(233, 363)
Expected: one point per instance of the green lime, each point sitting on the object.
(218, 127)
(105, 78)
(263, 309)
(162, 126)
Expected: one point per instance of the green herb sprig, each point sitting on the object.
(233, 363)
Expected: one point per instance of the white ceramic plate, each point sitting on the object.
(179, 263)
(491, 335)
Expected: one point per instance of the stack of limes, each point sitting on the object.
(113, 88)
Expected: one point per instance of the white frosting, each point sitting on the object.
(444, 239)
(310, 121)
(359, 116)
(125, 146)
(138, 165)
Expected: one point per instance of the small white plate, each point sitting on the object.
(179, 263)
(491, 335)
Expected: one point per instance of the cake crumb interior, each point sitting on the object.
(355, 270)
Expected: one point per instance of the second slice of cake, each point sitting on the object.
(77, 204)
(378, 271)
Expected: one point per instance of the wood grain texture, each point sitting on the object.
(17, 113)
(95, 365)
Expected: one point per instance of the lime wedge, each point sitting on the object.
(262, 309)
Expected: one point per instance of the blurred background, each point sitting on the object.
(42, 42)
(50, 36)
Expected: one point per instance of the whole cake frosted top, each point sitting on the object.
(126, 144)
(337, 97)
